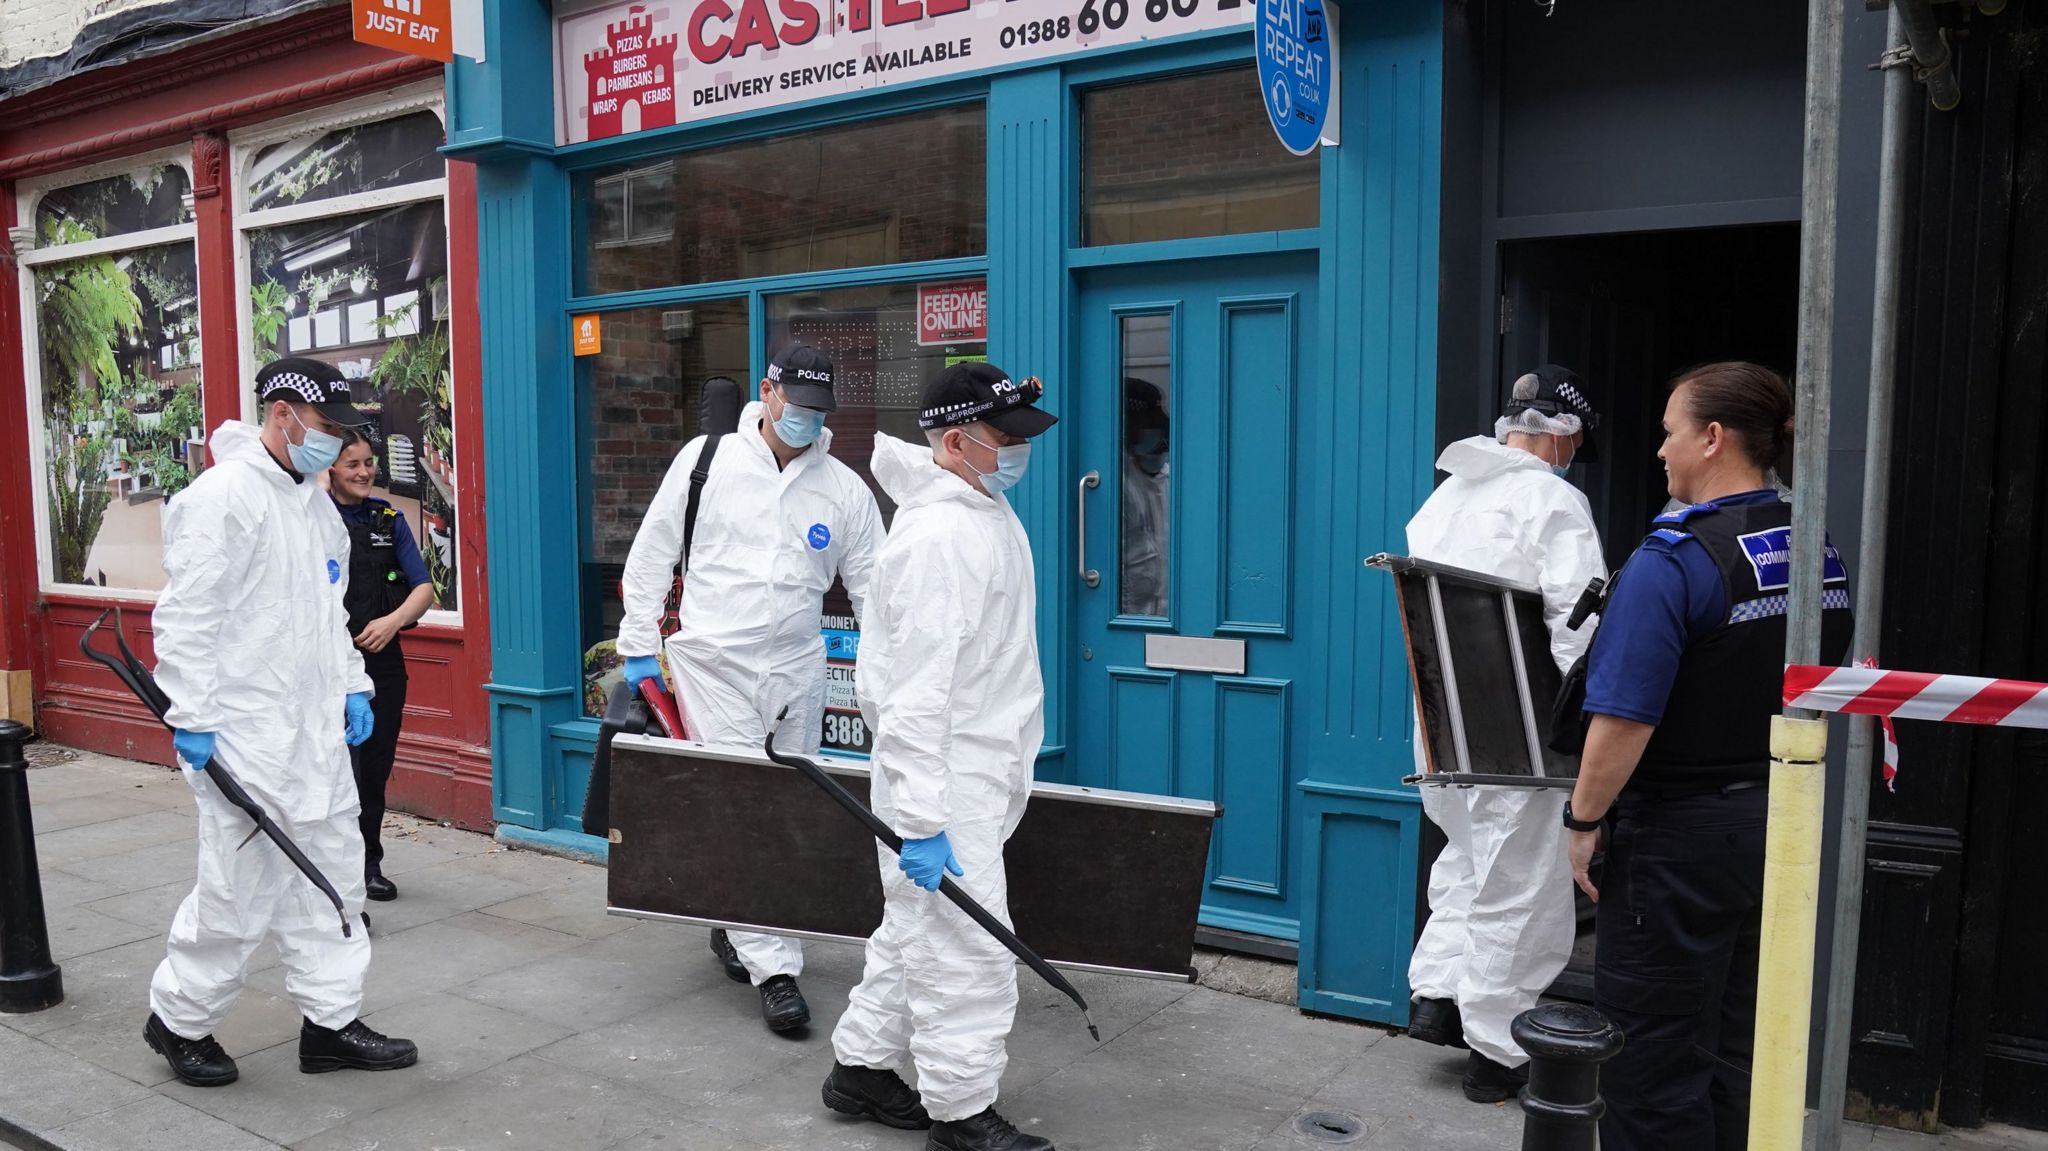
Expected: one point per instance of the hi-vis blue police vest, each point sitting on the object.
(1716, 725)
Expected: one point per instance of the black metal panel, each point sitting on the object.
(746, 842)
(1951, 960)
(1481, 660)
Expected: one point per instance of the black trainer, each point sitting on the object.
(379, 888)
(1489, 1082)
(353, 1047)
(722, 947)
(782, 1005)
(1436, 1021)
(875, 1094)
(199, 1062)
(987, 1131)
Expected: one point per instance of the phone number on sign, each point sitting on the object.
(1096, 15)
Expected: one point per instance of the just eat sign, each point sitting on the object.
(415, 27)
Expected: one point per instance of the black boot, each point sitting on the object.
(1436, 1021)
(379, 888)
(354, 1046)
(782, 1005)
(1489, 1082)
(199, 1062)
(987, 1131)
(875, 1094)
(723, 949)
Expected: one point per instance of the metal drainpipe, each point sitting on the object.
(1931, 56)
(1863, 731)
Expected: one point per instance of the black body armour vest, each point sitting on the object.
(376, 584)
(1716, 725)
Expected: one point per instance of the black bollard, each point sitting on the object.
(1566, 1043)
(28, 980)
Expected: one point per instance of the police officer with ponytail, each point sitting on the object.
(388, 591)
(1684, 676)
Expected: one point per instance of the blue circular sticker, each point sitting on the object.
(1295, 76)
(333, 571)
(820, 537)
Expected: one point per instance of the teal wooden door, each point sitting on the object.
(1191, 456)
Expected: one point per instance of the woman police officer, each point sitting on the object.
(1683, 679)
(388, 591)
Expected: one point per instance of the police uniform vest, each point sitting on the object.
(376, 584)
(1716, 728)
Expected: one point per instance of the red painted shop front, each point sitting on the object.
(218, 209)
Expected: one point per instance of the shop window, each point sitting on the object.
(883, 352)
(360, 281)
(1186, 157)
(117, 352)
(897, 190)
(346, 161)
(640, 405)
(152, 196)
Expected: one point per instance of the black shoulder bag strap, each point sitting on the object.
(671, 610)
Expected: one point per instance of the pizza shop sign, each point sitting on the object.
(630, 67)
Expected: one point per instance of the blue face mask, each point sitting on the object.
(316, 453)
(1010, 464)
(799, 427)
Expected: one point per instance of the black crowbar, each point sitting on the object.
(947, 887)
(137, 678)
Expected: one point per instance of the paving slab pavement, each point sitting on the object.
(545, 1023)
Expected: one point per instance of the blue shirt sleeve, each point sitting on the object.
(409, 560)
(1667, 595)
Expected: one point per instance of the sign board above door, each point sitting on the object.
(627, 68)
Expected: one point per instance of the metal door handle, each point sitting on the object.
(1089, 575)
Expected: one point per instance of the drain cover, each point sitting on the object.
(1330, 1126)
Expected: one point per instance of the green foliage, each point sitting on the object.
(84, 309)
(267, 318)
(78, 499)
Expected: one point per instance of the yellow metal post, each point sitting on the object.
(1784, 1002)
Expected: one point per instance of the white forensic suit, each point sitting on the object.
(1501, 918)
(252, 645)
(949, 682)
(748, 643)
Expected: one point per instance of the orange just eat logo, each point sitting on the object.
(588, 333)
(414, 27)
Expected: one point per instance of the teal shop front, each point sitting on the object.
(1240, 343)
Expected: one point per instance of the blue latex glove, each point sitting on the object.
(923, 860)
(194, 747)
(360, 719)
(641, 667)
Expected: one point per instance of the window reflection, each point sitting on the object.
(1188, 156)
(889, 191)
(1147, 506)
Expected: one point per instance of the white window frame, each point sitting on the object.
(28, 197)
(243, 146)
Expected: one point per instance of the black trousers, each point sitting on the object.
(1678, 929)
(372, 760)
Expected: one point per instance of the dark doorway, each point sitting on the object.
(1627, 313)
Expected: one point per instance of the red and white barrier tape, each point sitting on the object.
(1870, 690)
(1918, 695)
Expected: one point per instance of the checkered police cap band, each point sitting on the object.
(1006, 395)
(307, 388)
(1570, 401)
